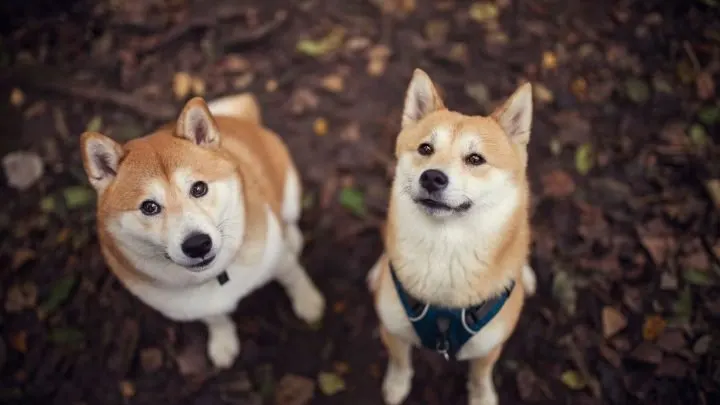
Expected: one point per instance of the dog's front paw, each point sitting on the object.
(309, 305)
(223, 348)
(396, 385)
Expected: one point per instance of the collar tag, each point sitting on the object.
(223, 278)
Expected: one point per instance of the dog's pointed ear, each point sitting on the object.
(421, 99)
(515, 115)
(197, 124)
(101, 158)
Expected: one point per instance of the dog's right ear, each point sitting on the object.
(101, 157)
(421, 99)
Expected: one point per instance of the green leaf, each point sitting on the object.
(332, 41)
(330, 383)
(95, 124)
(584, 159)
(697, 277)
(67, 337)
(709, 115)
(47, 204)
(683, 306)
(353, 200)
(78, 196)
(573, 380)
(637, 90)
(59, 293)
(698, 135)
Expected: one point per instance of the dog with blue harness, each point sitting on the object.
(454, 273)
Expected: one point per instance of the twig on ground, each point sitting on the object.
(259, 33)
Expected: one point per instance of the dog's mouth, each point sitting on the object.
(435, 205)
(199, 266)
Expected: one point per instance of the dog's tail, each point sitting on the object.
(243, 105)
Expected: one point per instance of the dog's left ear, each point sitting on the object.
(421, 98)
(197, 125)
(515, 116)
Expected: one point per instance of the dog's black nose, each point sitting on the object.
(197, 245)
(433, 180)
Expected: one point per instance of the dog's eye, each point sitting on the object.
(425, 149)
(474, 159)
(150, 207)
(199, 189)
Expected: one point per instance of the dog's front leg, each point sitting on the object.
(481, 389)
(307, 301)
(398, 377)
(223, 342)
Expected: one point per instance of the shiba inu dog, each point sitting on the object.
(198, 214)
(454, 273)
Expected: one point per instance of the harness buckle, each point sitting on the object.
(442, 348)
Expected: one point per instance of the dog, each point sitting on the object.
(454, 273)
(196, 215)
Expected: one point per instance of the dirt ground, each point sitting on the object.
(623, 161)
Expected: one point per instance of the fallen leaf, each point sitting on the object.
(377, 60)
(526, 383)
(705, 86)
(351, 133)
(610, 355)
(353, 200)
(355, 44)
(698, 135)
(702, 345)
(656, 246)
(191, 360)
(18, 341)
(67, 337)
(20, 297)
(22, 256)
(459, 53)
(637, 90)
(661, 85)
(647, 353)
(17, 97)
(323, 46)
(713, 188)
(668, 282)
(294, 390)
(542, 94)
(579, 88)
(47, 204)
(573, 380)
(652, 328)
(22, 169)
(303, 100)
(564, 291)
(320, 126)
(78, 196)
(672, 341)
(58, 294)
(198, 86)
(549, 60)
(243, 81)
(557, 184)
(182, 83)
(151, 359)
(235, 64)
(330, 383)
(334, 83)
(483, 11)
(613, 321)
(697, 277)
(437, 31)
(479, 92)
(685, 71)
(683, 306)
(709, 115)
(127, 389)
(341, 367)
(584, 159)
(95, 124)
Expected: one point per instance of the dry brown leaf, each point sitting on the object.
(705, 86)
(235, 64)
(613, 321)
(610, 355)
(182, 81)
(294, 390)
(127, 389)
(558, 184)
(378, 56)
(21, 296)
(549, 60)
(334, 83)
(303, 100)
(652, 328)
(22, 256)
(243, 81)
(191, 360)
(579, 88)
(351, 133)
(647, 353)
(672, 341)
(320, 126)
(18, 341)
(17, 97)
(436, 31)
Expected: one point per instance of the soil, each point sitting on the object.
(623, 162)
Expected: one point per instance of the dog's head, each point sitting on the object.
(170, 202)
(450, 164)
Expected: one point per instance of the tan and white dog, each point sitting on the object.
(457, 233)
(198, 214)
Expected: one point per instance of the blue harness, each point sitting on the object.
(446, 330)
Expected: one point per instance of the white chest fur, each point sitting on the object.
(212, 298)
